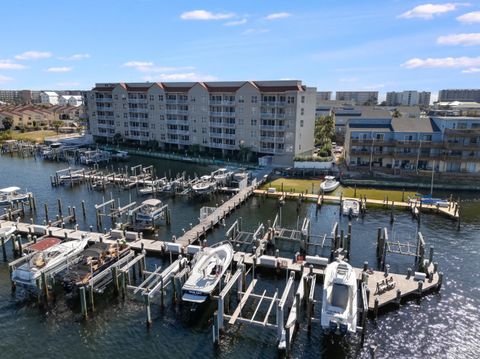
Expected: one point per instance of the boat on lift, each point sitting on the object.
(154, 187)
(119, 155)
(93, 260)
(221, 176)
(12, 195)
(339, 305)
(351, 207)
(7, 231)
(329, 185)
(206, 185)
(47, 260)
(209, 265)
(71, 177)
(150, 211)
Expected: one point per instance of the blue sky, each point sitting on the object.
(333, 45)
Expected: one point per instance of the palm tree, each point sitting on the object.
(396, 113)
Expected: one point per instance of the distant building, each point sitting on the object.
(324, 96)
(17, 97)
(362, 98)
(463, 95)
(408, 98)
(362, 113)
(455, 108)
(49, 97)
(70, 100)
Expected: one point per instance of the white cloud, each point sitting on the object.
(5, 79)
(9, 65)
(181, 76)
(469, 17)
(429, 11)
(374, 87)
(442, 62)
(75, 57)
(277, 15)
(460, 39)
(255, 31)
(236, 23)
(205, 15)
(471, 70)
(148, 66)
(33, 55)
(59, 69)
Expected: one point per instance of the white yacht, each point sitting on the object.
(339, 305)
(12, 195)
(209, 266)
(350, 207)
(7, 232)
(206, 185)
(150, 211)
(329, 185)
(47, 260)
(221, 176)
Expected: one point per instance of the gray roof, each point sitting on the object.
(423, 125)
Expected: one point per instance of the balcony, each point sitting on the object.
(222, 102)
(178, 132)
(273, 151)
(231, 136)
(272, 115)
(274, 103)
(137, 100)
(103, 99)
(222, 114)
(177, 101)
(223, 146)
(273, 128)
(272, 139)
(177, 112)
(138, 110)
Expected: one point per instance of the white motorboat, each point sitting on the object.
(119, 155)
(47, 260)
(206, 185)
(155, 186)
(329, 185)
(339, 306)
(73, 177)
(12, 195)
(7, 232)
(221, 176)
(209, 266)
(350, 207)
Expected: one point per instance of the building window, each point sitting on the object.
(303, 99)
(115, 97)
(301, 123)
(253, 122)
(125, 115)
(160, 97)
(152, 98)
(152, 107)
(241, 99)
(126, 133)
(152, 126)
(254, 99)
(302, 111)
(162, 117)
(290, 99)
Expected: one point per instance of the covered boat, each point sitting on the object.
(221, 176)
(148, 213)
(47, 260)
(7, 231)
(209, 266)
(339, 305)
(12, 195)
(329, 185)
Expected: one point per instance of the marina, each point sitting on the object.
(277, 247)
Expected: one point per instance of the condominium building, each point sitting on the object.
(464, 95)
(408, 98)
(17, 97)
(364, 98)
(267, 117)
(445, 144)
(323, 96)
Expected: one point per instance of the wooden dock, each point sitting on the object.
(452, 211)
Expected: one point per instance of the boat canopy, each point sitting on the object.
(9, 189)
(152, 202)
(329, 178)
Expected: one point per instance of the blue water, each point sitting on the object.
(442, 325)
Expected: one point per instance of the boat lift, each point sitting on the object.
(244, 241)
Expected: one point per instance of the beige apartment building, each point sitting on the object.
(268, 117)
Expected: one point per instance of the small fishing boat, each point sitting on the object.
(93, 260)
(339, 305)
(350, 207)
(329, 185)
(12, 195)
(206, 185)
(155, 187)
(7, 231)
(119, 155)
(209, 266)
(47, 260)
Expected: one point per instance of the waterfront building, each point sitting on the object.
(70, 100)
(266, 117)
(463, 95)
(443, 143)
(49, 97)
(408, 98)
(362, 98)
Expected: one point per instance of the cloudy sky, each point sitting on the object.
(333, 45)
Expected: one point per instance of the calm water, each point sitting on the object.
(444, 325)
